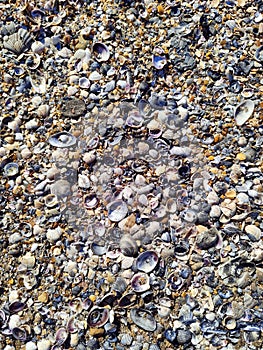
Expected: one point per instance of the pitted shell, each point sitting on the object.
(147, 261)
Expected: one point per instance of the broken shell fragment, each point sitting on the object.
(159, 61)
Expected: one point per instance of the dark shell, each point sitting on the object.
(127, 300)
(98, 316)
(143, 319)
(73, 108)
(181, 248)
(16, 306)
(108, 299)
(147, 261)
(207, 239)
(19, 333)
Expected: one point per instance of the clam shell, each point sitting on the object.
(101, 51)
(127, 300)
(97, 317)
(84, 83)
(11, 169)
(134, 120)
(244, 111)
(62, 139)
(16, 306)
(147, 261)
(18, 42)
(61, 336)
(91, 201)
(19, 333)
(140, 282)
(117, 210)
(37, 47)
(207, 239)
(95, 76)
(143, 319)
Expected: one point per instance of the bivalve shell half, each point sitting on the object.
(117, 210)
(11, 169)
(61, 336)
(128, 245)
(159, 61)
(97, 317)
(244, 111)
(62, 140)
(140, 282)
(101, 52)
(147, 261)
(18, 42)
(143, 319)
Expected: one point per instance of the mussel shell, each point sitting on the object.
(98, 316)
(140, 282)
(117, 210)
(143, 319)
(147, 261)
(16, 306)
(127, 300)
(62, 140)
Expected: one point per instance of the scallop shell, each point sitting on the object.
(117, 210)
(143, 319)
(18, 42)
(62, 139)
(140, 282)
(147, 261)
(244, 111)
(101, 51)
(98, 316)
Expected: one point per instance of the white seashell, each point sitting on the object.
(17, 42)
(38, 47)
(62, 139)
(101, 51)
(38, 85)
(94, 76)
(244, 111)
(84, 83)
(43, 110)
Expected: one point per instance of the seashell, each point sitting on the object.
(19, 333)
(143, 319)
(95, 76)
(18, 42)
(147, 261)
(38, 84)
(207, 239)
(181, 248)
(229, 322)
(117, 210)
(38, 47)
(175, 282)
(134, 120)
(73, 108)
(127, 300)
(140, 282)
(98, 249)
(16, 306)
(184, 171)
(97, 317)
(253, 232)
(43, 110)
(128, 245)
(61, 336)
(189, 215)
(84, 83)
(170, 335)
(93, 142)
(71, 327)
(33, 61)
(119, 285)
(108, 299)
(183, 336)
(243, 112)
(91, 201)
(159, 61)
(8, 29)
(11, 169)
(139, 165)
(62, 139)
(37, 12)
(19, 71)
(259, 54)
(61, 188)
(101, 52)
(51, 200)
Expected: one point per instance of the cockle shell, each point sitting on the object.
(18, 42)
